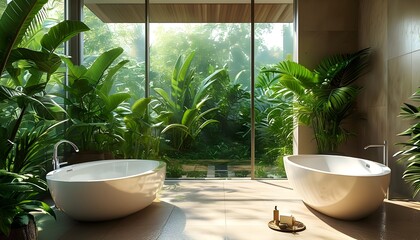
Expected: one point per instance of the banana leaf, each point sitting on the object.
(101, 64)
(61, 33)
(14, 23)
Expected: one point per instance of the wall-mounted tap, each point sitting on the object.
(55, 161)
(384, 147)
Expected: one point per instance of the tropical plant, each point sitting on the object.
(95, 112)
(183, 106)
(18, 200)
(28, 114)
(25, 74)
(118, 34)
(233, 101)
(325, 96)
(410, 154)
(142, 135)
(274, 117)
(31, 149)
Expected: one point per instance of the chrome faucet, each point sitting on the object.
(385, 158)
(384, 147)
(55, 161)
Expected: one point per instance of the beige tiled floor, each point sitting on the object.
(234, 209)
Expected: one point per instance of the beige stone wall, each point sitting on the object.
(325, 27)
(392, 29)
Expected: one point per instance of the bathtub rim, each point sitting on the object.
(385, 169)
(161, 165)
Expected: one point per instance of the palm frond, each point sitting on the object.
(266, 78)
(410, 153)
(337, 101)
(293, 74)
(343, 69)
(324, 97)
(35, 28)
(7, 93)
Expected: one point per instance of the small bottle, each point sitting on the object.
(276, 215)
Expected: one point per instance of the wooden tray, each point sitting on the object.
(297, 227)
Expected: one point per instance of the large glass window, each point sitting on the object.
(211, 117)
(273, 110)
(196, 81)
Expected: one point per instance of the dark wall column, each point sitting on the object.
(75, 45)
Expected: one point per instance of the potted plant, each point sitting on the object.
(96, 120)
(324, 97)
(28, 115)
(18, 200)
(410, 154)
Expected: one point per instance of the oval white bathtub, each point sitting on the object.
(341, 187)
(108, 189)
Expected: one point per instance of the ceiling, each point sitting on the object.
(190, 11)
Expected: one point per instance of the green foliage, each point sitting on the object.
(183, 105)
(196, 174)
(96, 114)
(280, 167)
(325, 96)
(60, 33)
(221, 44)
(223, 149)
(142, 135)
(260, 172)
(173, 168)
(3, 5)
(32, 147)
(215, 46)
(233, 102)
(15, 20)
(273, 117)
(18, 199)
(243, 173)
(410, 153)
(27, 112)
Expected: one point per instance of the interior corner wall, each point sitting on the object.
(392, 29)
(325, 27)
(373, 102)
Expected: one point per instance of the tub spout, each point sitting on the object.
(55, 161)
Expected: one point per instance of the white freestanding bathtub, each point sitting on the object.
(341, 187)
(108, 189)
